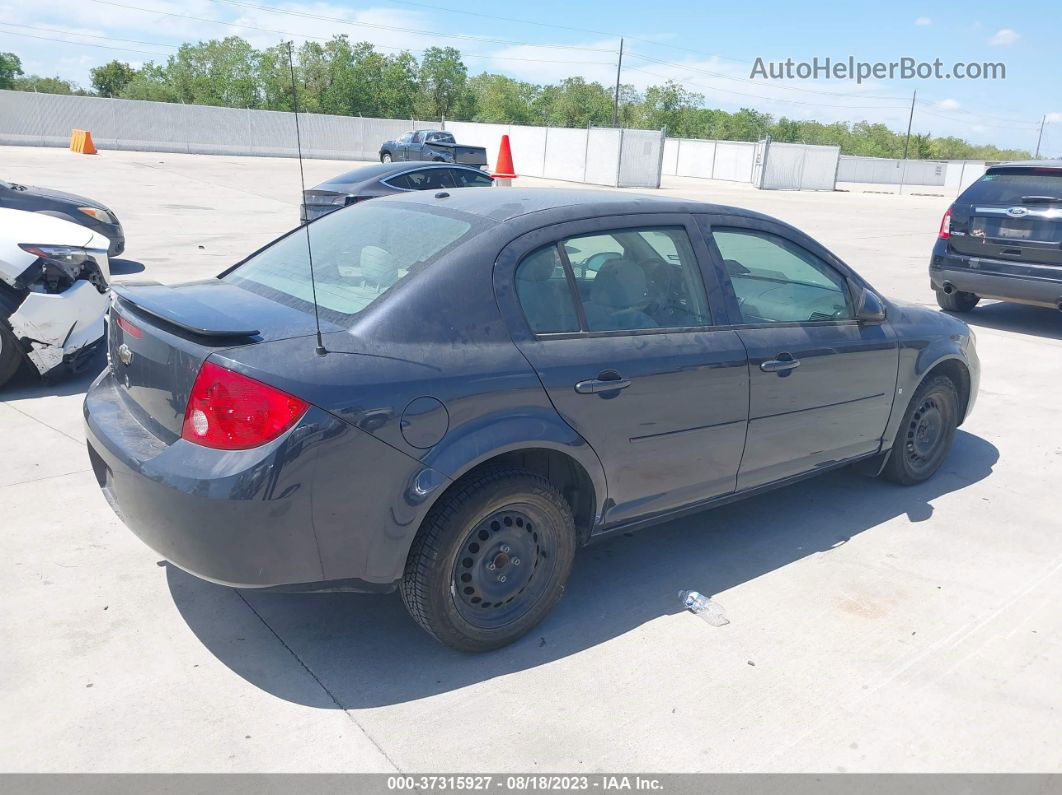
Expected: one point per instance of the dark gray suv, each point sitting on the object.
(1002, 238)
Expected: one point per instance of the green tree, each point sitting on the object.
(575, 103)
(45, 85)
(10, 68)
(497, 98)
(443, 83)
(151, 82)
(215, 73)
(111, 79)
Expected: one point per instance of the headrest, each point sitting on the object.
(378, 265)
(539, 266)
(619, 284)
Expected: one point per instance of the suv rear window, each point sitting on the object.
(358, 254)
(1011, 185)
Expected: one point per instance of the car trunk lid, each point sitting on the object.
(1020, 233)
(159, 336)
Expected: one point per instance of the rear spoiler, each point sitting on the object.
(179, 309)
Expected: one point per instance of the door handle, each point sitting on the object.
(783, 364)
(601, 385)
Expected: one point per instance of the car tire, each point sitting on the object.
(926, 433)
(385, 157)
(490, 560)
(956, 301)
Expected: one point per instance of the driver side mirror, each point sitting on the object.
(871, 308)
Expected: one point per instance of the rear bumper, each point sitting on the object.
(1037, 285)
(324, 507)
(236, 518)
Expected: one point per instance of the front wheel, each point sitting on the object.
(490, 561)
(385, 158)
(956, 301)
(926, 433)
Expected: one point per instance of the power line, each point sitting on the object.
(81, 43)
(290, 34)
(696, 83)
(377, 26)
(721, 76)
(89, 35)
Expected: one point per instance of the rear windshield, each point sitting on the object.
(359, 253)
(1010, 187)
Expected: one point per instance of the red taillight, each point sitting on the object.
(128, 327)
(229, 411)
(945, 226)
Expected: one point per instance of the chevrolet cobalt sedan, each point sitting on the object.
(500, 377)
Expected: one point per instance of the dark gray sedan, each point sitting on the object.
(499, 378)
(369, 182)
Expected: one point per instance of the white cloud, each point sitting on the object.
(1004, 37)
(923, 21)
(948, 104)
(1054, 118)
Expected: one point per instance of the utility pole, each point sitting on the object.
(615, 102)
(1040, 137)
(910, 118)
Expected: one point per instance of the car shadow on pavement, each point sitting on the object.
(125, 267)
(27, 383)
(1035, 320)
(367, 652)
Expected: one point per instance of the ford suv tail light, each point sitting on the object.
(945, 226)
(229, 411)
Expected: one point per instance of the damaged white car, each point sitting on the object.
(54, 279)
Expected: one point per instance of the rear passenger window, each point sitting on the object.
(543, 292)
(428, 179)
(776, 281)
(633, 279)
(467, 178)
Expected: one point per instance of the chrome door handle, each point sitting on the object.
(780, 365)
(600, 385)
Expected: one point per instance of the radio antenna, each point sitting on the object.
(320, 349)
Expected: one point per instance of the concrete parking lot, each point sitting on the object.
(873, 627)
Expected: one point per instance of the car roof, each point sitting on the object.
(1028, 164)
(383, 170)
(504, 204)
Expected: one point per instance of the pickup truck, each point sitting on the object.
(435, 145)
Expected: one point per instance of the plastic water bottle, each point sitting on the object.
(710, 611)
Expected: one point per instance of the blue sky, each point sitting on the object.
(709, 47)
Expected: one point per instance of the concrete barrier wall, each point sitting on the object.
(622, 158)
(798, 167)
(891, 171)
(692, 157)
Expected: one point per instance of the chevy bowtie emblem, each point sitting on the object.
(125, 354)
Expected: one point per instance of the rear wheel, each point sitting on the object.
(926, 433)
(956, 301)
(490, 561)
(385, 157)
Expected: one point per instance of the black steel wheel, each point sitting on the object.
(491, 559)
(926, 433)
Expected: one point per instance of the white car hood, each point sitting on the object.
(20, 226)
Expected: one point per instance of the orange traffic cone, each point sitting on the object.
(504, 173)
(81, 142)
